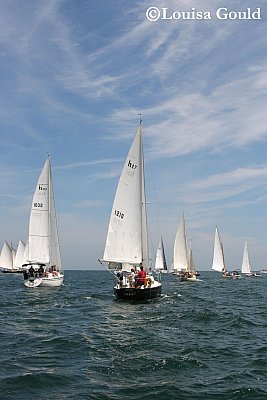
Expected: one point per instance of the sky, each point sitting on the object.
(75, 74)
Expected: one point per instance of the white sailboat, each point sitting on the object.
(44, 266)
(160, 262)
(182, 255)
(126, 246)
(218, 262)
(8, 259)
(246, 268)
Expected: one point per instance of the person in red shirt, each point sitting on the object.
(141, 277)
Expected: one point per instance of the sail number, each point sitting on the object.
(37, 205)
(119, 214)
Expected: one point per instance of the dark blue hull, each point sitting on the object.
(137, 294)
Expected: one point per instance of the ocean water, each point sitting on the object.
(201, 340)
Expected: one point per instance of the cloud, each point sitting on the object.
(243, 186)
(88, 163)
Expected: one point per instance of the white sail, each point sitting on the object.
(127, 241)
(218, 263)
(6, 257)
(160, 263)
(43, 235)
(180, 253)
(20, 255)
(26, 252)
(191, 268)
(245, 269)
(13, 255)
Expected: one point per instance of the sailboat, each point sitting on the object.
(218, 262)
(8, 259)
(43, 267)
(126, 249)
(182, 255)
(246, 268)
(160, 263)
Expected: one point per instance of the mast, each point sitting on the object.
(144, 235)
(49, 210)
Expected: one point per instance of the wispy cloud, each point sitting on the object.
(88, 163)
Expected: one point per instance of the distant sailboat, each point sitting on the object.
(8, 258)
(183, 264)
(218, 262)
(126, 248)
(160, 263)
(44, 262)
(246, 268)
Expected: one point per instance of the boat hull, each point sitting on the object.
(52, 282)
(33, 282)
(6, 271)
(193, 279)
(137, 294)
(44, 282)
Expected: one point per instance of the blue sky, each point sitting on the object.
(75, 74)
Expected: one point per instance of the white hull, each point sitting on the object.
(33, 283)
(54, 281)
(193, 279)
(188, 278)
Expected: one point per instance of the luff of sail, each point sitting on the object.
(218, 263)
(126, 241)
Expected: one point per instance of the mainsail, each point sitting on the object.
(180, 253)
(127, 241)
(218, 263)
(245, 269)
(20, 255)
(160, 263)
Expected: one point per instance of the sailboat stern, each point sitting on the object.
(131, 293)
